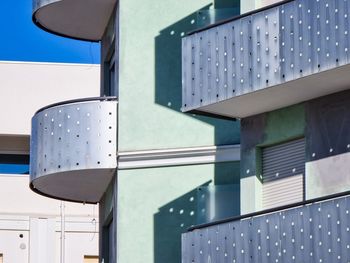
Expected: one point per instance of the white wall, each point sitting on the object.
(38, 219)
(17, 198)
(14, 248)
(28, 239)
(26, 87)
(327, 176)
(251, 195)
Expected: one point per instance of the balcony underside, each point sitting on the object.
(283, 95)
(78, 19)
(85, 186)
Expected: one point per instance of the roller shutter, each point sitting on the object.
(283, 173)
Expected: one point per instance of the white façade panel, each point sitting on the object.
(14, 246)
(328, 176)
(41, 84)
(42, 240)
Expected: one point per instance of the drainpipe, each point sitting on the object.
(63, 237)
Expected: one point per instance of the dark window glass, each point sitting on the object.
(14, 164)
(110, 77)
(112, 87)
(108, 245)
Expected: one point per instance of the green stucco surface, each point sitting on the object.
(150, 79)
(268, 129)
(156, 205)
(259, 131)
(284, 124)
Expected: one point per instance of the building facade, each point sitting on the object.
(34, 228)
(267, 126)
(153, 170)
(282, 70)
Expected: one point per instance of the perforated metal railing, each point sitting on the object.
(73, 151)
(287, 41)
(313, 231)
(74, 135)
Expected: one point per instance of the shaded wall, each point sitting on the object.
(152, 207)
(325, 124)
(265, 130)
(328, 145)
(150, 114)
(156, 205)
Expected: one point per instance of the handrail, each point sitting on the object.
(106, 98)
(238, 17)
(271, 210)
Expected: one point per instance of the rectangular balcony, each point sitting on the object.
(271, 58)
(313, 231)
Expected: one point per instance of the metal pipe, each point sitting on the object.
(63, 237)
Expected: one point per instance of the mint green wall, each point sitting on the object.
(284, 124)
(156, 205)
(268, 129)
(259, 131)
(150, 79)
(149, 216)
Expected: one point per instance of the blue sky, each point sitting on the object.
(21, 40)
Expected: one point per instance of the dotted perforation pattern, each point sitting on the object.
(280, 44)
(314, 233)
(75, 136)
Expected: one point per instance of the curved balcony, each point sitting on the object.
(78, 19)
(284, 54)
(73, 149)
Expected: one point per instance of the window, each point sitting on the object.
(14, 164)
(283, 168)
(111, 82)
(112, 75)
(88, 259)
(108, 245)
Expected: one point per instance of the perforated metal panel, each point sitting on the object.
(73, 144)
(280, 44)
(319, 232)
(283, 160)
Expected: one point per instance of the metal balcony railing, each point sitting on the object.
(274, 57)
(73, 152)
(317, 230)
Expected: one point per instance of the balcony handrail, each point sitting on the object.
(105, 98)
(271, 210)
(237, 17)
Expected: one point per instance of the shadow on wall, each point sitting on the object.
(168, 61)
(168, 75)
(206, 203)
(175, 217)
(170, 222)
